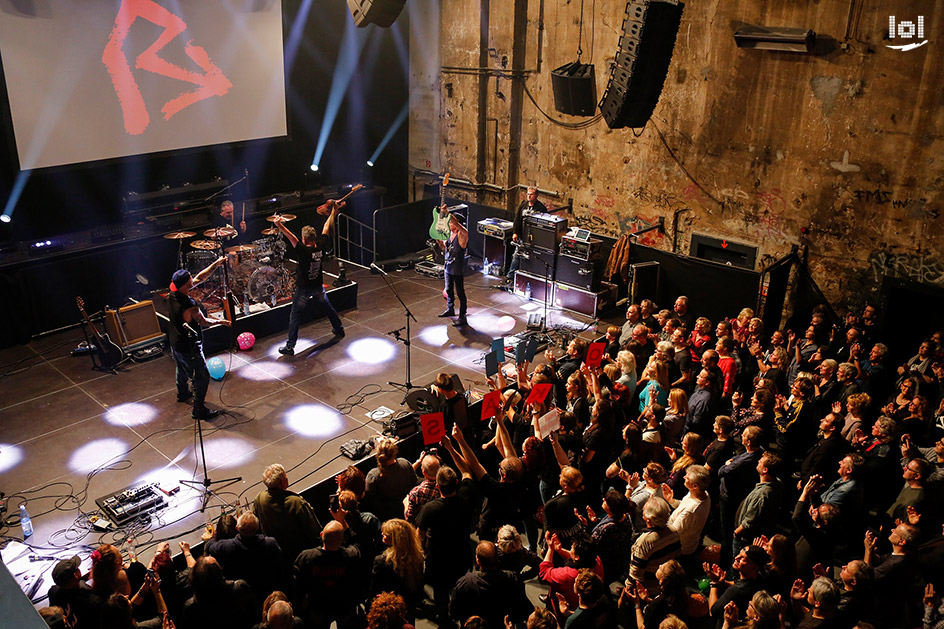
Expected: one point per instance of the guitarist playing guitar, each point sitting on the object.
(454, 272)
(186, 338)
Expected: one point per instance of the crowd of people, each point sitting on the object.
(703, 476)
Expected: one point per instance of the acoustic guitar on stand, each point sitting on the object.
(109, 354)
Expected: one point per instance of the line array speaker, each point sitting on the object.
(650, 28)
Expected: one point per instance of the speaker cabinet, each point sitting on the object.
(584, 274)
(133, 324)
(496, 250)
(380, 12)
(590, 303)
(538, 287)
(650, 28)
(538, 262)
(545, 233)
(575, 89)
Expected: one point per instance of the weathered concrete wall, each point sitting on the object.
(844, 145)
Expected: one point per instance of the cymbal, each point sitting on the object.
(270, 231)
(240, 248)
(179, 235)
(220, 232)
(281, 218)
(204, 244)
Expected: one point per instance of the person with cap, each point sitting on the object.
(308, 252)
(72, 593)
(185, 335)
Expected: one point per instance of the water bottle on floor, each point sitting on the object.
(25, 522)
(527, 291)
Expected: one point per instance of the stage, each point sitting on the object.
(72, 435)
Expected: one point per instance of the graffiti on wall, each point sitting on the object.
(906, 265)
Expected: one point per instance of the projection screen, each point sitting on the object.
(98, 79)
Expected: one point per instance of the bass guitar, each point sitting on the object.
(109, 354)
(353, 190)
(439, 230)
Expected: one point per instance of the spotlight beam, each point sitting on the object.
(21, 178)
(351, 47)
(401, 118)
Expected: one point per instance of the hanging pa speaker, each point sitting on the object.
(380, 12)
(650, 28)
(575, 89)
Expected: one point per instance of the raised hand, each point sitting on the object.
(633, 480)
(731, 614)
(667, 493)
(819, 570)
(591, 514)
(837, 407)
(914, 518)
(798, 591)
(929, 595)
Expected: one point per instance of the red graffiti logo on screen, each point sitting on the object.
(211, 82)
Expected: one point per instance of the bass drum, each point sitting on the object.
(264, 284)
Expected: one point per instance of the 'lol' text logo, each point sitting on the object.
(906, 30)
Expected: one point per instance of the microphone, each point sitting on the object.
(246, 171)
(377, 268)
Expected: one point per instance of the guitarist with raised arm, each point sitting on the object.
(185, 334)
(309, 281)
(531, 205)
(455, 248)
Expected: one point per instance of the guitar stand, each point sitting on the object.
(203, 486)
(96, 365)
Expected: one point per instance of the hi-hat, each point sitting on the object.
(204, 244)
(281, 218)
(179, 235)
(270, 231)
(220, 232)
(240, 248)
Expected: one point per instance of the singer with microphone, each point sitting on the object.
(531, 205)
(186, 338)
(309, 280)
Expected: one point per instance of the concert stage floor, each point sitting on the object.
(71, 434)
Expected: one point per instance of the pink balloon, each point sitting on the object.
(246, 340)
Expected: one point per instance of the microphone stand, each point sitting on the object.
(407, 385)
(204, 485)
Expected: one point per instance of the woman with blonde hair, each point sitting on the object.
(856, 404)
(656, 390)
(692, 449)
(675, 416)
(627, 364)
(399, 568)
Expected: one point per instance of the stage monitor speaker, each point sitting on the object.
(650, 28)
(133, 324)
(538, 288)
(575, 89)
(534, 263)
(584, 274)
(380, 12)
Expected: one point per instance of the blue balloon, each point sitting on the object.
(216, 368)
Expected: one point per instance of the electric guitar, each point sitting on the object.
(109, 354)
(353, 190)
(439, 230)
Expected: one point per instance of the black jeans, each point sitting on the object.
(456, 283)
(192, 366)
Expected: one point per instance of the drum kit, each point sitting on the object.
(253, 273)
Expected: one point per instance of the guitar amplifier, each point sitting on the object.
(582, 249)
(544, 230)
(495, 227)
(133, 324)
(583, 274)
(538, 262)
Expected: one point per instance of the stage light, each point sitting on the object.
(15, 194)
(131, 414)
(369, 163)
(314, 168)
(10, 456)
(401, 118)
(314, 420)
(96, 454)
(372, 350)
(5, 218)
(352, 45)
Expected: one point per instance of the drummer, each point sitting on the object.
(227, 218)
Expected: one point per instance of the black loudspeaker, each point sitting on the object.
(642, 62)
(575, 89)
(379, 12)
(583, 274)
(534, 263)
(544, 233)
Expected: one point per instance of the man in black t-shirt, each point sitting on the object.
(186, 338)
(227, 218)
(531, 205)
(308, 253)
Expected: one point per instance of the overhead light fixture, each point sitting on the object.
(370, 163)
(314, 168)
(5, 218)
(380, 12)
(782, 38)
